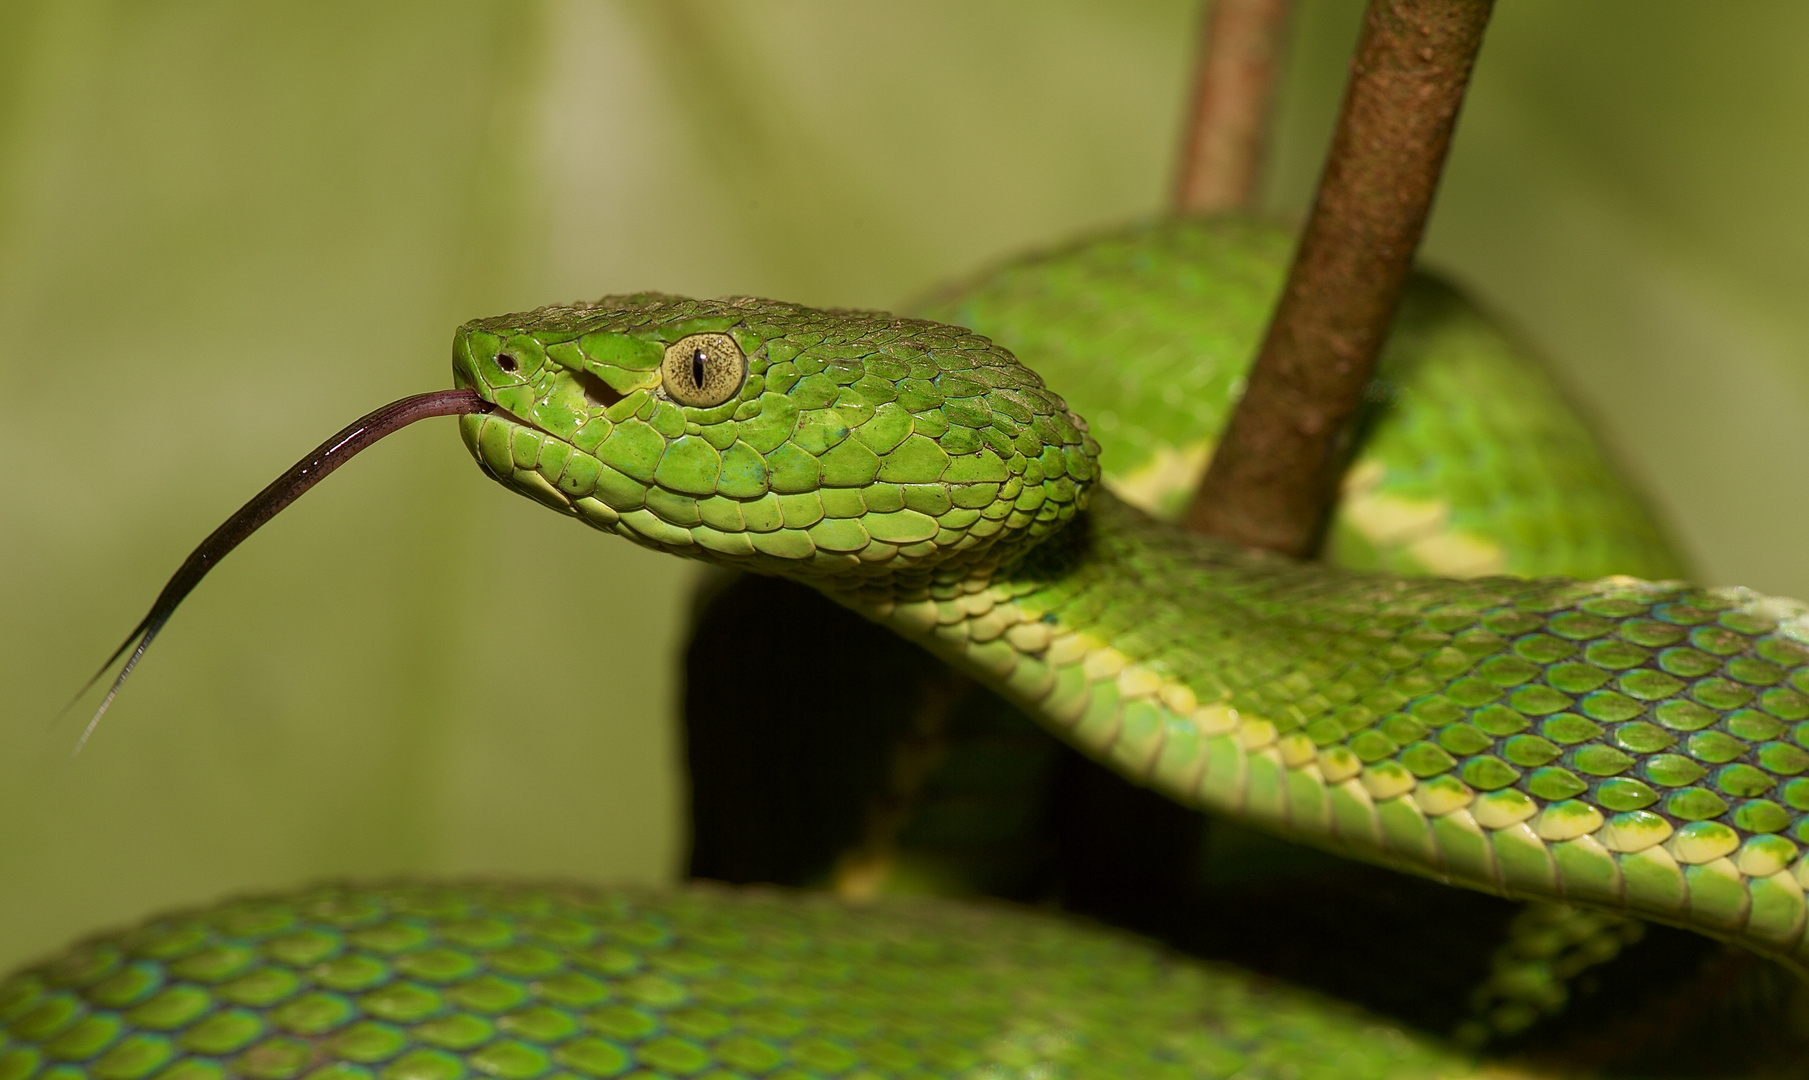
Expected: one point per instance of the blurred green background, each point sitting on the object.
(227, 229)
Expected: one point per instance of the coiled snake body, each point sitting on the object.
(1611, 743)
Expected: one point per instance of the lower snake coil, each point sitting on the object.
(1613, 744)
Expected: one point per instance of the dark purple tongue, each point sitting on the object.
(265, 505)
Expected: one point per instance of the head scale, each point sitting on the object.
(776, 438)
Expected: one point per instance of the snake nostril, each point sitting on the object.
(506, 362)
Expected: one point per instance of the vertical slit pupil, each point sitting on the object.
(698, 359)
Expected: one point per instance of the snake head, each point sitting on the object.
(773, 437)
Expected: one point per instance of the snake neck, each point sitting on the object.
(914, 598)
(1614, 744)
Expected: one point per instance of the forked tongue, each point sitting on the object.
(263, 506)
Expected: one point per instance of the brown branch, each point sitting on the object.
(1230, 116)
(1274, 475)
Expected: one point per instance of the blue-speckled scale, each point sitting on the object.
(521, 982)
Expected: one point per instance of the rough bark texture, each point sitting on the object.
(1274, 475)
(1223, 149)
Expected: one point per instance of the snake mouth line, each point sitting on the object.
(497, 412)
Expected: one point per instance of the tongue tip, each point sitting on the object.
(263, 506)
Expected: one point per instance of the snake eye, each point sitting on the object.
(703, 370)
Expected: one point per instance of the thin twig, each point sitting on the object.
(1228, 125)
(1274, 475)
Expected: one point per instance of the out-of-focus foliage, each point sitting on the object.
(225, 230)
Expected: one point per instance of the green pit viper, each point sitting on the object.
(1610, 743)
